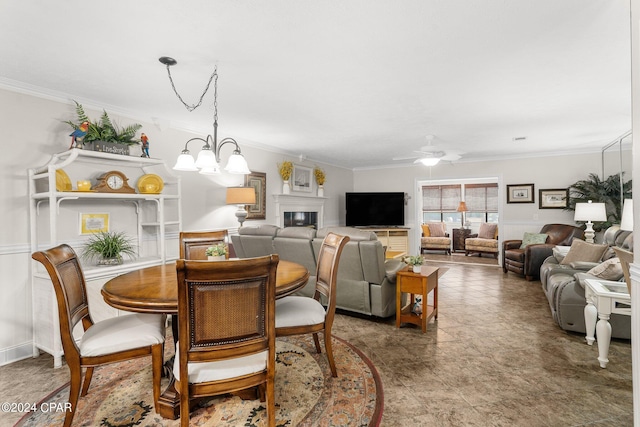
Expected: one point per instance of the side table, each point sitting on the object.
(417, 284)
(459, 236)
(604, 298)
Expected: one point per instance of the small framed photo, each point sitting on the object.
(94, 223)
(257, 180)
(554, 198)
(520, 193)
(302, 178)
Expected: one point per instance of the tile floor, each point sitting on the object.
(494, 357)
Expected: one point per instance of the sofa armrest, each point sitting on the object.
(511, 244)
(391, 268)
(534, 256)
(472, 236)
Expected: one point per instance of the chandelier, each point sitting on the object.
(208, 160)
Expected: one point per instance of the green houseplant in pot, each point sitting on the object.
(108, 248)
(415, 261)
(217, 252)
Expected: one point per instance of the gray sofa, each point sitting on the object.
(366, 281)
(564, 286)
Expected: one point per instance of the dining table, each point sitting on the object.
(155, 290)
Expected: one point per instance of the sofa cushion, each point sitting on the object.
(611, 269)
(487, 231)
(437, 230)
(490, 245)
(559, 252)
(584, 251)
(533, 239)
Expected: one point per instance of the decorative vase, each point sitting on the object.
(216, 257)
(285, 187)
(417, 268)
(320, 191)
(110, 261)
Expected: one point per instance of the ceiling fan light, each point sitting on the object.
(429, 161)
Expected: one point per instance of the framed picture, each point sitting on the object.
(302, 178)
(257, 180)
(553, 199)
(94, 223)
(520, 193)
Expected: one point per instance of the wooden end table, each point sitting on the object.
(417, 284)
(459, 237)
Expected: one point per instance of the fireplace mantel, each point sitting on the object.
(298, 203)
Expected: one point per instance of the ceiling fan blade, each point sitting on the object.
(405, 157)
(451, 157)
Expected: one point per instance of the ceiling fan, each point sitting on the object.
(430, 155)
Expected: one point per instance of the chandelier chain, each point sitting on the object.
(190, 108)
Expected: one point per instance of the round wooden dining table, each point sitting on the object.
(155, 289)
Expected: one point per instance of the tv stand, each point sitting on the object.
(394, 238)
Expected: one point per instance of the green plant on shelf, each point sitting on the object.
(108, 248)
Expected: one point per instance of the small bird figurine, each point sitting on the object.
(145, 145)
(79, 134)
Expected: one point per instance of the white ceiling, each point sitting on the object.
(349, 83)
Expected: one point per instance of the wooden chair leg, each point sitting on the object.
(184, 406)
(317, 342)
(74, 393)
(329, 350)
(157, 359)
(271, 403)
(87, 381)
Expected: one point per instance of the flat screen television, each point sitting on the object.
(374, 209)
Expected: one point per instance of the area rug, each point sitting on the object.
(306, 394)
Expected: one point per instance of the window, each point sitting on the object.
(482, 202)
(439, 203)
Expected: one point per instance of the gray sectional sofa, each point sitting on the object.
(564, 286)
(366, 280)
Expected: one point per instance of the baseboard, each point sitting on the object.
(13, 354)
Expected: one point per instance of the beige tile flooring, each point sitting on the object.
(494, 357)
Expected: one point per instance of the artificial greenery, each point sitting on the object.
(285, 169)
(108, 245)
(104, 129)
(414, 260)
(219, 249)
(601, 191)
(319, 174)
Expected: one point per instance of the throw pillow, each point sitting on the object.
(437, 230)
(583, 251)
(611, 269)
(533, 239)
(425, 230)
(559, 252)
(487, 231)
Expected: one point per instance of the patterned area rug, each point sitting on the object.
(306, 394)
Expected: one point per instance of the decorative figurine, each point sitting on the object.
(145, 145)
(79, 134)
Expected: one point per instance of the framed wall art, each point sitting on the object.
(520, 193)
(257, 180)
(553, 199)
(302, 178)
(94, 223)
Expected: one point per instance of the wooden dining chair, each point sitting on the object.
(194, 244)
(226, 329)
(297, 315)
(111, 340)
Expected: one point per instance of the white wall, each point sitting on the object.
(32, 129)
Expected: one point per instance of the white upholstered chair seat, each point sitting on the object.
(123, 333)
(298, 311)
(202, 372)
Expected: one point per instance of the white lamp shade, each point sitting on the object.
(429, 161)
(206, 160)
(627, 215)
(237, 164)
(590, 212)
(185, 162)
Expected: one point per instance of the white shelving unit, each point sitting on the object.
(55, 219)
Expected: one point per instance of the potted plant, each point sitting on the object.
(415, 261)
(320, 177)
(217, 252)
(285, 169)
(108, 248)
(104, 135)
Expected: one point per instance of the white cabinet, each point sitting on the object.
(153, 220)
(395, 239)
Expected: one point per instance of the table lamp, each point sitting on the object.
(462, 207)
(590, 212)
(626, 223)
(241, 196)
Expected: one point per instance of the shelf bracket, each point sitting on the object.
(62, 199)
